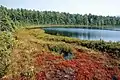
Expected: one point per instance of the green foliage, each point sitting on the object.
(23, 17)
(60, 48)
(6, 43)
(6, 24)
(109, 47)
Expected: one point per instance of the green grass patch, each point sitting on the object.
(100, 45)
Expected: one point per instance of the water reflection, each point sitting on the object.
(85, 34)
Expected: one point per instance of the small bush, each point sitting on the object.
(100, 45)
(6, 43)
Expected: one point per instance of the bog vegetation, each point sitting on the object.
(109, 47)
(31, 54)
(6, 45)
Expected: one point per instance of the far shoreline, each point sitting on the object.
(107, 27)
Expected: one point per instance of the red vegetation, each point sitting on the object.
(83, 67)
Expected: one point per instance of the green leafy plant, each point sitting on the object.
(6, 43)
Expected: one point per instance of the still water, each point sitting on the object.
(86, 34)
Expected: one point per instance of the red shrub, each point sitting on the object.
(82, 67)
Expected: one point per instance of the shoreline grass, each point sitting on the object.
(107, 27)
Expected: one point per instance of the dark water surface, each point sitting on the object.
(86, 34)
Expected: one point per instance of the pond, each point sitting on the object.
(86, 34)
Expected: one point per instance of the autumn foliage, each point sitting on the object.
(39, 56)
(83, 67)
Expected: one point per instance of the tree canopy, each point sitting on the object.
(11, 17)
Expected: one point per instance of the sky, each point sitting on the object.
(97, 7)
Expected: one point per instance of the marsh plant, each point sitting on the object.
(6, 43)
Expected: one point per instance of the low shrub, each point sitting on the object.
(6, 43)
(61, 48)
(100, 45)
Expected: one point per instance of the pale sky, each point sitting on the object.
(97, 7)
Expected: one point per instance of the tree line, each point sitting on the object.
(9, 18)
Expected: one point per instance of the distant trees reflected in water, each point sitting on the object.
(85, 34)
